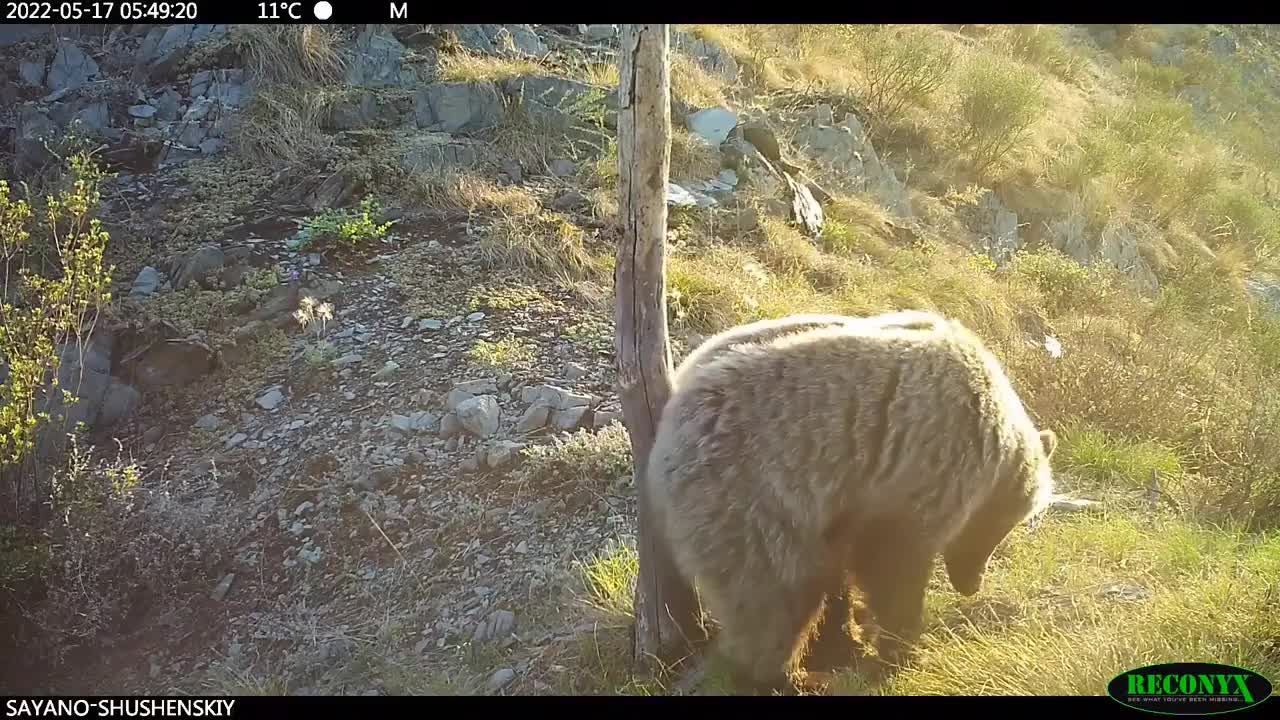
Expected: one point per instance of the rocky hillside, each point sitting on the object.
(358, 366)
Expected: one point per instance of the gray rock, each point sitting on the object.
(1067, 234)
(1068, 505)
(602, 418)
(71, 67)
(501, 679)
(378, 62)
(1266, 289)
(707, 54)
(679, 196)
(193, 134)
(569, 419)
(805, 210)
(418, 422)
(480, 386)
(488, 39)
(598, 33)
(146, 284)
(203, 266)
(562, 168)
(1002, 241)
(152, 434)
(551, 101)
(1174, 55)
(347, 360)
(534, 418)
(430, 324)
(224, 586)
(1223, 45)
(846, 154)
(497, 626)
(450, 426)
(1118, 245)
(34, 128)
(236, 440)
(144, 112)
(458, 107)
(389, 368)
(173, 363)
(713, 125)
(554, 397)
(574, 372)
(271, 399)
(209, 422)
(475, 317)
(456, 397)
(165, 45)
(402, 424)
(31, 72)
(503, 454)
(167, 104)
(212, 146)
(118, 403)
(569, 200)
(93, 118)
(479, 415)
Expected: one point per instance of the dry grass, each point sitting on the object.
(299, 67)
(692, 158)
(469, 67)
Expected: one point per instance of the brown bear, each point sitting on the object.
(786, 467)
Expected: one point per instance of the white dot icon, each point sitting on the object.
(323, 10)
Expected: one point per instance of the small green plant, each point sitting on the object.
(345, 227)
(509, 297)
(507, 354)
(584, 456)
(594, 335)
(610, 578)
(1064, 283)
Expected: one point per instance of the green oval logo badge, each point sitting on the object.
(1189, 689)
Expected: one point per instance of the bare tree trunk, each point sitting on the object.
(665, 605)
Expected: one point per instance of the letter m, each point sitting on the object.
(399, 11)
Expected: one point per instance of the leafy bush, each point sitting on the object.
(49, 310)
(346, 227)
(999, 101)
(899, 66)
(1064, 283)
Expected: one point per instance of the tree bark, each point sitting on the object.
(665, 605)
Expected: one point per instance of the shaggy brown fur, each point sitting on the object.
(786, 468)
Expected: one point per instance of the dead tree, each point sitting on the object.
(665, 605)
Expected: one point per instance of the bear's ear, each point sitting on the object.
(1049, 440)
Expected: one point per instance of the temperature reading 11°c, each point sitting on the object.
(279, 10)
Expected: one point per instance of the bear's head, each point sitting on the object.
(1020, 495)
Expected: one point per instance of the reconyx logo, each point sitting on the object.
(1189, 689)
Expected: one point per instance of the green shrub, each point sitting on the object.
(1064, 283)
(346, 227)
(999, 101)
(899, 66)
